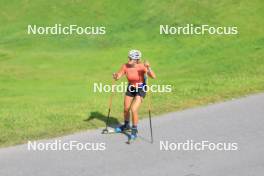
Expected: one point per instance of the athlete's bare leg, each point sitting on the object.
(134, 109)
(127, 104)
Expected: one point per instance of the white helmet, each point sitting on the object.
(134, 54)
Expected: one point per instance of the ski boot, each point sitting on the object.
(134, 133)
(122, 128)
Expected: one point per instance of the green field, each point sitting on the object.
(46, 81)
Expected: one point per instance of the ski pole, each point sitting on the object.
(150, 122)
(149, 112)
(109, 109)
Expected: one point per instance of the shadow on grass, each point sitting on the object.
(113, 122)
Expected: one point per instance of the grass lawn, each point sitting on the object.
(46, 81)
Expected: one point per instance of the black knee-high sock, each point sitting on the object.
(134, 126)
(126, 123)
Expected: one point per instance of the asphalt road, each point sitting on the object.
(239, 122)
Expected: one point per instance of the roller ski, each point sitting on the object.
(120, 129)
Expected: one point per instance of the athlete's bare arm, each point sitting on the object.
(120, 73)
(149, 71)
